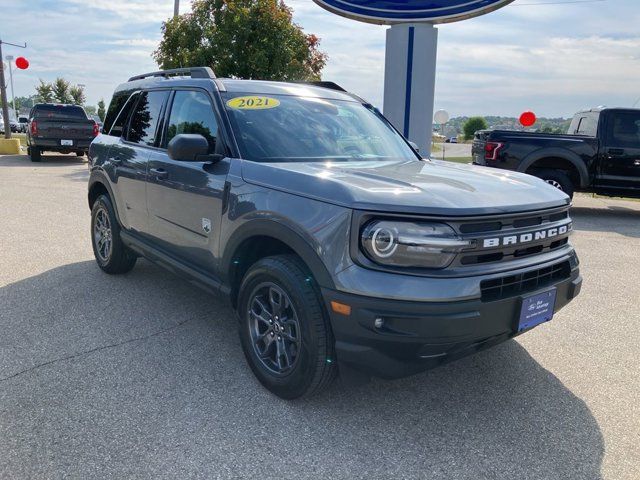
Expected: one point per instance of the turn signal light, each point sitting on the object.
(341, 308)
(34, 127)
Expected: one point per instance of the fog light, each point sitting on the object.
(379, 322)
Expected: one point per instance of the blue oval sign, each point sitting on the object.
(407, 11)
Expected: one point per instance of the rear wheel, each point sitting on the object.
(35, 154)
(111, 254)
(558, 179)
(79, 153)
(284, 330)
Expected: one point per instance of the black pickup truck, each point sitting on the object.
(59, 128)
(600, 153)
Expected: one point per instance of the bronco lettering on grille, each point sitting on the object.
(526, 237)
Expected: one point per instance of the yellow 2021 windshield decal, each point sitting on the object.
(253, 103)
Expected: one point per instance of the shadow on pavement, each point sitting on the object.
(48, 160)
(143, 374)
(613, 218)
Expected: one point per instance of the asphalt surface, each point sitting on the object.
(453, 150)
(142, 375)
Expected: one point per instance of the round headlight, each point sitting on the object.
(411, 244)
(384, 242)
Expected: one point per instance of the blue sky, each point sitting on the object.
(552, 59)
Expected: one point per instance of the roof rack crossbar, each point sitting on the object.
(193, 72)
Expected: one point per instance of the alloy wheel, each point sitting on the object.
(274, 328)
(102, 235)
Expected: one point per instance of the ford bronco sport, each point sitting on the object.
(339, 247)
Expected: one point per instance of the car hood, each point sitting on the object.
(408, 186)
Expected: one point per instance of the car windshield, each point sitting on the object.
(284, 128)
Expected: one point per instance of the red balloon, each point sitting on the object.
(527, 119)
(22, 63)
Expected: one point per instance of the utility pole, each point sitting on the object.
(176, 8)
(9, 59)
(3, 91)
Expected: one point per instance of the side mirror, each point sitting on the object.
(189, 147)
(415, 146)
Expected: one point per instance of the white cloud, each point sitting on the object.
(552, 58)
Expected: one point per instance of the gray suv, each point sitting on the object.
(338, 246)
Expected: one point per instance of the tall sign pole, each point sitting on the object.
(3, 91)
(411, 53)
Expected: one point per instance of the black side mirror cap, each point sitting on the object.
(188, 147)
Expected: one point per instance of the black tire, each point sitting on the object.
(558, 179)
(313, 366)
(35, 154)
(117, 258)
(79, 153)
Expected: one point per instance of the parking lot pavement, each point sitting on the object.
(142, 375)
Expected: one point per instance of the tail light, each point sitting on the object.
(492, 149)
(34, 127)
(96, 129)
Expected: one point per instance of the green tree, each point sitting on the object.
(76, 94)
(252, 39)
(90, 109)
(61, 90)
(472, 125)
(44, 92)
(101, 109)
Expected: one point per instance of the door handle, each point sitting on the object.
(159, 173)
(116, 160)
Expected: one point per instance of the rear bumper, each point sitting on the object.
(417, 336)
(53, 144)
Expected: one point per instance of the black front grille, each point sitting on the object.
(521, 283)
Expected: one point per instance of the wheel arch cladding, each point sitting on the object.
(556, 154)
(262, 238)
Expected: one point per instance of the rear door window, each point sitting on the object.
(143, 126)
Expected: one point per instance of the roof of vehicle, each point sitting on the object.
(603, 108)
(201, 76)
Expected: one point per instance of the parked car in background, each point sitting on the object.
(24, 124)
(451, 140)
(13, 123)
(338, 246)
(600, 153)
(59, 128)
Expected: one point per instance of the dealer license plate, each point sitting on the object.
(66, 143)
(537, 309)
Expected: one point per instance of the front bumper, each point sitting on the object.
(417, 336)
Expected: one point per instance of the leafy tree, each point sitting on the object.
(101, 109)
(472, 125)
(90, 109)
(77, 95)
(61, 90)
(253, 39)
(44, 92)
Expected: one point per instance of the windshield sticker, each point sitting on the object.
(253, 103)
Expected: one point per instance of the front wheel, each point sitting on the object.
(284, 330)
(112, 255)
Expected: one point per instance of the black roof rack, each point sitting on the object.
(323, 84)
(193, 72)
